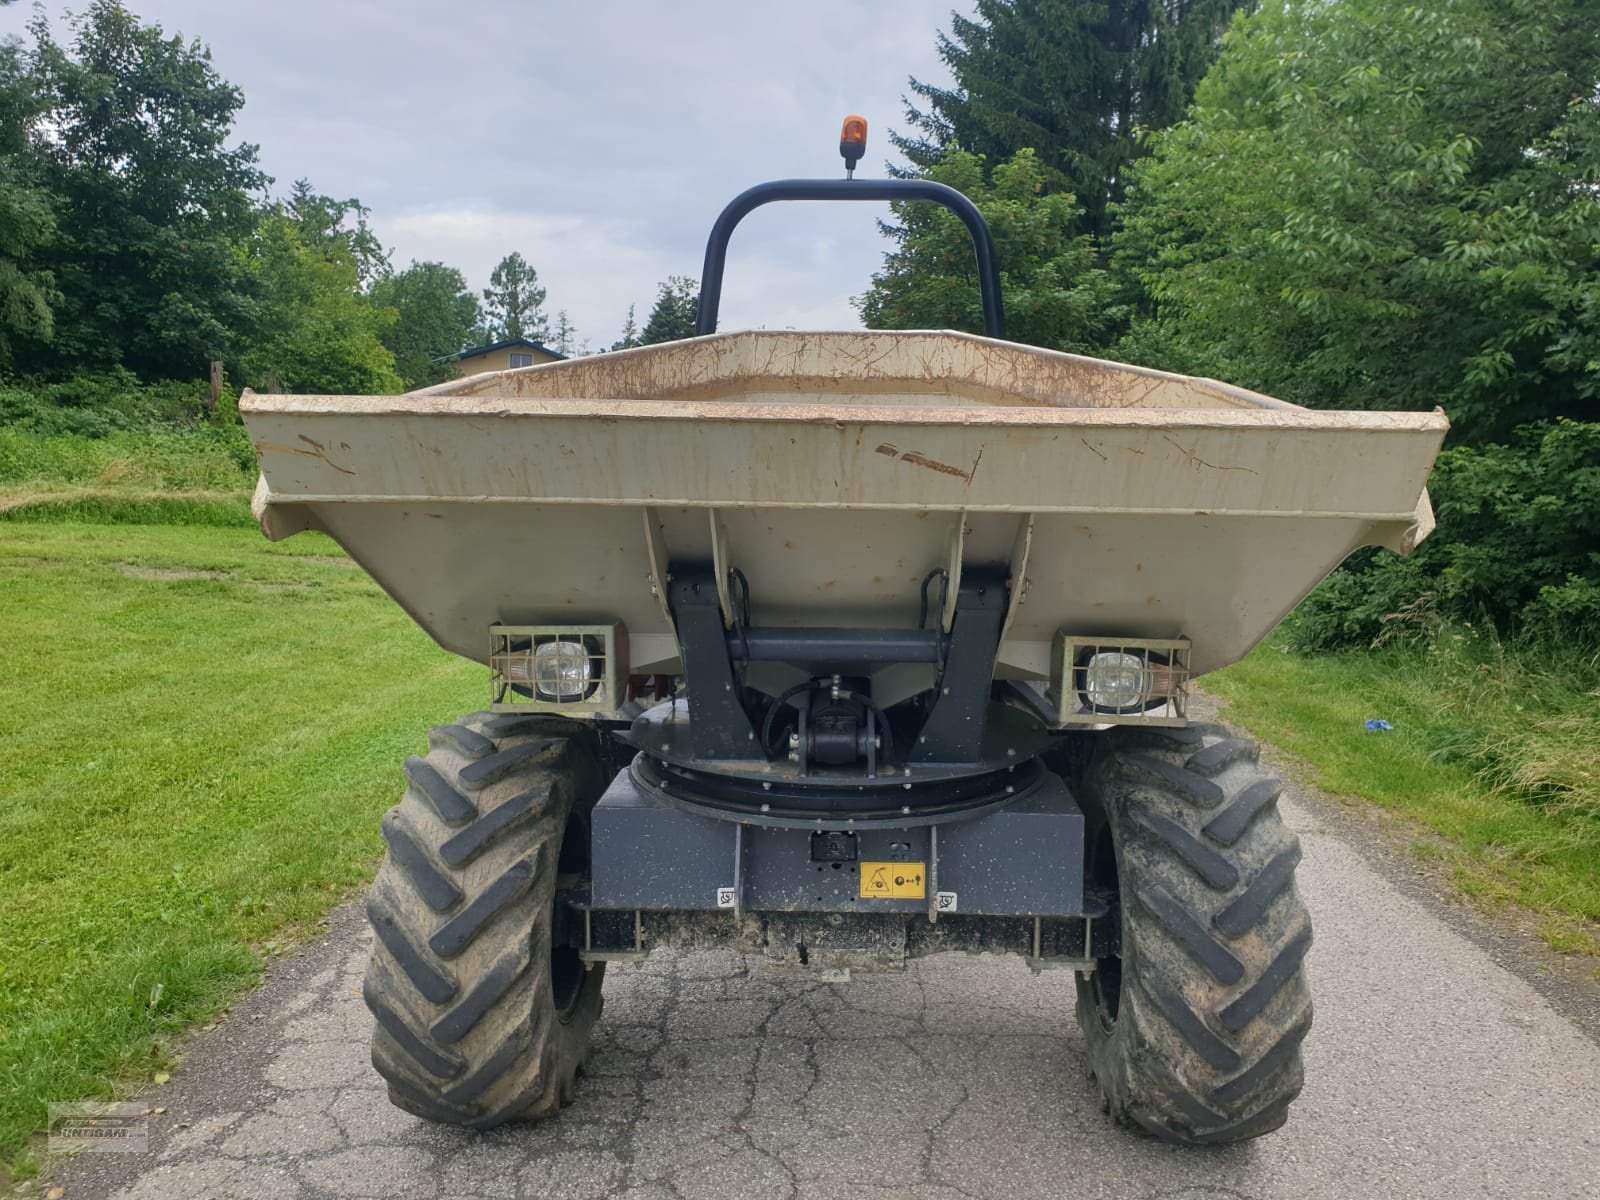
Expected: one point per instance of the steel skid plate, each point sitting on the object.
(1022, 859)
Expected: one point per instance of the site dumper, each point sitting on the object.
(842, 649)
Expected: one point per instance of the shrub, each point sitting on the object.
(1517, 546)
(97, 404)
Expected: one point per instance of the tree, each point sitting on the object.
(630, 333)
(152, 203)
(27, 218)
(1366, 210)
(564, 336)
(322, 222)
(314, 332)
(1074, 80)
(676, 310)
(435, 316)
(1055, 295)
(513, 301)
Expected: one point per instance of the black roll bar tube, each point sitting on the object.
(994, 315)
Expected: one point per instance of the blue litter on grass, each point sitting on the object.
(1377, 726)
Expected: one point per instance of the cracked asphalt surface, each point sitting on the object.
(1433, 1070)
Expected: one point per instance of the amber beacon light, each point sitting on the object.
(853, 143)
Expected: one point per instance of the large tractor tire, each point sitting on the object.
(483, 1007)
(1194, 1031)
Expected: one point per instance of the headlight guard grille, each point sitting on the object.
(557, 668)
(1160, 680)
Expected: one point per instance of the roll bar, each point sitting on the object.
(994, 316)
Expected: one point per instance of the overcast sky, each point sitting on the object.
(599, 139)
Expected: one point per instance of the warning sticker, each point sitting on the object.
(894, 881)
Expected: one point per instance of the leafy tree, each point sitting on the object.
(27, 219)
(1368, 210)
(630, 333)
(513, 301)
(435, 315)
(152, 203)
(315, 333)
(1055, 295)
(1075, 80)
(676, 310)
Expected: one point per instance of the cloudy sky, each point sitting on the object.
(600, 139)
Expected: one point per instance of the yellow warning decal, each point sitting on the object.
(894, 881)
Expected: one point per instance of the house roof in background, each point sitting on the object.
(507, 344)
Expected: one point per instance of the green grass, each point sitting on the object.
(1494, 759)
(198, 734)
(197, 476)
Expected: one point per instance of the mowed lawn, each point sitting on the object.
(198, 734)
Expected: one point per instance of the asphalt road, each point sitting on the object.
(1433, 1070)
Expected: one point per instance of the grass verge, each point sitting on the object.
(198, 734)
(1494, 759)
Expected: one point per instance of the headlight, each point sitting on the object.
(1113, 681)
(1121, 681)
(577, 668)
(1100, 680)
(565, 671)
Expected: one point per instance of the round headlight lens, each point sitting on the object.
(1113, 681)
(564, 671)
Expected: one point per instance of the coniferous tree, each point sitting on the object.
(1056, 295)
(322, 221)
(514, 302)
(1071, 79)
(630, 333)
(676, 308)
(563, 334)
